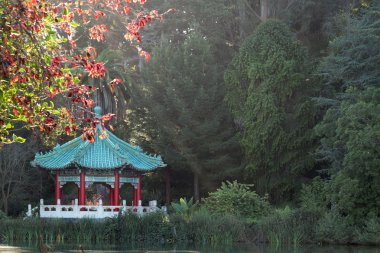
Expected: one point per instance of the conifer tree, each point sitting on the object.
(267, 89)
(184, 100)
(349, 132)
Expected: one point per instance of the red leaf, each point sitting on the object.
(90, 138)
(126, 10)
(15, 112)
(90, 50)
(147, 57)
(68, 130)
(106, 117)
(116, 81)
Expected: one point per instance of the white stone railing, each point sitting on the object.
(95, 212)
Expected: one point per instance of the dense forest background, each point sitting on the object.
(282, 94)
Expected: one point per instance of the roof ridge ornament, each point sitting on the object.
(107, 152)
(98, 111)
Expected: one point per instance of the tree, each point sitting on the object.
(14, 174)
(40, 61)
(349, 132)
(184, 102)
(267, 90)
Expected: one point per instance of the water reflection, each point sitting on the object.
(242, 248)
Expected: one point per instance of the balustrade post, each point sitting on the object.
(100, 209)
(29, 213)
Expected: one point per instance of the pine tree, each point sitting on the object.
(349, 131)
(184, 100)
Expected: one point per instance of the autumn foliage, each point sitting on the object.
(40, 61)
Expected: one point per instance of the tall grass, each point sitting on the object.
(158, 228)
(288, 226)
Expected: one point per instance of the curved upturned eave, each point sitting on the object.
(109, 153)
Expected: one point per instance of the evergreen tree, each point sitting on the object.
(268, 91)
(349, 132)
(184, 101)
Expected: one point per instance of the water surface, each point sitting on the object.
(241, 248)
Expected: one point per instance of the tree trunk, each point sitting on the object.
(196, 187)
(6, 206)
(167, 187)
(242, 18)
(4, 201)
(264, 10)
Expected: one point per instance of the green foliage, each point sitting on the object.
(3, 215)
(353, 57)
(370, 233)
(267, 90)
(288, 226)
(350, 129)
(182, 98)
(26, 56)
(237, 199)
(156, 228)
(184, 207)
(334, 228)
(215, 229)
(314, 196)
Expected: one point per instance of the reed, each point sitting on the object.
(288, 226)
(202, 228)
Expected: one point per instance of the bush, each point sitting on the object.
(314, 196)
(237, 199)
(3, 215)
(370, 233)
(184, 207)
(334, 228)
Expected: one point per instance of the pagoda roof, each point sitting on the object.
(107, 152)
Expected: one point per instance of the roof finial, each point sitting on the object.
(98, 111)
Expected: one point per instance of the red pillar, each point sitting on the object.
(111, 196)
(139, 190)
(135, 195)
(82, 187)
(57, 188)
(116, 190)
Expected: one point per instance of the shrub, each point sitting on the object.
(370, 233)
(184, 207)
(314, 196)
(3, 215)
(237, 199)
(334, 228)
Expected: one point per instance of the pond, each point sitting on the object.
(240, 248)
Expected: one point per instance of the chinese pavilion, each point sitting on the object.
(108, 160)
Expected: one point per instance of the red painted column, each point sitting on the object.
(82, 187)
(139, 190)
(135, 195)
(57, 188)
(111, 196)
(116, 190)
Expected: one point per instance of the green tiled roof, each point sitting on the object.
(107, 153)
